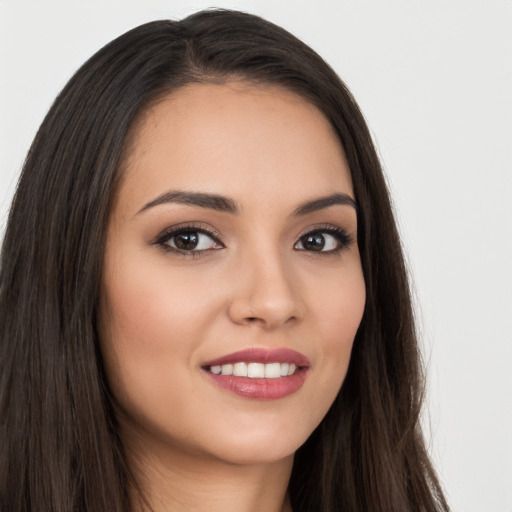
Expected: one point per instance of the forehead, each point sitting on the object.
(233, 137)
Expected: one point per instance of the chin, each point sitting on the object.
(267, 441)
(259, 449)
(233, 443)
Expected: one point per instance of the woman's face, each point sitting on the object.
(231, 247)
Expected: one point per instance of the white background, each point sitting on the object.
(434, 80)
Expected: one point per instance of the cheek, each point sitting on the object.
(149, 328)
(151, 307)
(338, 315)
(339, 306)
(154, 318)
(343, 316)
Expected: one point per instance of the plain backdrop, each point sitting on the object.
(434, 80)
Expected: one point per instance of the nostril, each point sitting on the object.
(264, 306)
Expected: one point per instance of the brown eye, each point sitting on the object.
(324, 240)
(189, 240)
(315, 242)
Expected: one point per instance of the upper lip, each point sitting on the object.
(261, 355)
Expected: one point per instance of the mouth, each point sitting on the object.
(259, 373)
(254, 370)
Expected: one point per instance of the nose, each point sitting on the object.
(265, 293)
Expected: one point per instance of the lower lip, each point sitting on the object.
(260, 389)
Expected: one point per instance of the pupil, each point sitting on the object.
(186, 241)
(314, 242)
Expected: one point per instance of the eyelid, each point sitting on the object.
(176, 229)
(344, 237)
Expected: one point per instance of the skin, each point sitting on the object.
(163, 313)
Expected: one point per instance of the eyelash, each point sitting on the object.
(342, 237)
(163, 239)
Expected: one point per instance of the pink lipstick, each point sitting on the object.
(259, 373)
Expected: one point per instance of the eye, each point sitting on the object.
(188, 240)
(324, 240)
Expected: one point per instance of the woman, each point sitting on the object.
(203, 299)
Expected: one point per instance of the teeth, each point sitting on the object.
(226, 369)
(240, 369)
(273, 371)
(255, 370)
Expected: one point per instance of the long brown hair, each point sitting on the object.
(59, 444)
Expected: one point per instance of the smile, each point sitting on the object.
(259, 373)
(255, 370)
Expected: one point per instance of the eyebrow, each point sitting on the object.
(325, 202)
(227, 205)
(211, 201)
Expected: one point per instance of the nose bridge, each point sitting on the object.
(266, 292)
